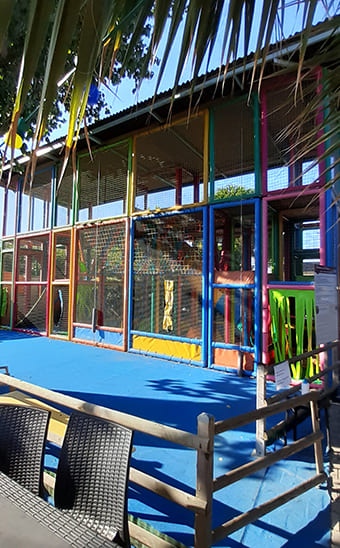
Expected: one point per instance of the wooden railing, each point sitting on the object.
(329, 375)
(263, 462)
(203, 443)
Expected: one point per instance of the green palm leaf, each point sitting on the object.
(6, 8)
(100, 24)
(66, 21)
(97, 21)
(38, 22)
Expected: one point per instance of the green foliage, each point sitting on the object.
(10, 60)
(231, 191)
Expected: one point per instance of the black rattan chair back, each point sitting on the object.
(92, 475)
(23, 432)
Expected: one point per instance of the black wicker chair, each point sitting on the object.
(92, 475)
(23, 432)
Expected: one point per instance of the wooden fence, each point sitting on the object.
(203, 443)
(329, 376)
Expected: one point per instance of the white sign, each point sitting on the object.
(304, 387)
(326, 305)
(282, 375)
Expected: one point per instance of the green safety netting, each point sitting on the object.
(292, 322)
(3, 307)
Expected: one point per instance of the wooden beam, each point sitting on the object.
(263, 412)
(255, 513)
(147, 538)
(266, 461)
(156, 429)
(167, 491)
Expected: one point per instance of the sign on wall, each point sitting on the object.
(326, 305)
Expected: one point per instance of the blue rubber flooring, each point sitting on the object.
(175, 394)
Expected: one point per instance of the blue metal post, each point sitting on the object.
(258, 278)
(205, 280)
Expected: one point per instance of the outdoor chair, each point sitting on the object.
(92, 475)
(23, 432)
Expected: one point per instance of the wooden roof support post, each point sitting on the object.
(204, 479)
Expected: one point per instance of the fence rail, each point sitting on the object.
(329, 385)
(200, 503)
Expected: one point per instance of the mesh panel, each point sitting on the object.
(7, 244)
(60, 292)
(30, 310)
(62, 255)
(233, 320)
(32, 267)
(294, 239)
(103, 183)
(35, 210)
(100, 281)
(7, 266)
(33, 259)
(169, 166)
(7, 256)
(5, 304)
(167, 275)
(288, 164)
(64, 200)
(234, 263)
(60, 307)
(234, 149)
(234, 239)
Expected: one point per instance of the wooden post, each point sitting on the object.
(261, 394)
(204, 479)
(317, 444)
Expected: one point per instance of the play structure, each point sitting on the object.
(194, 240)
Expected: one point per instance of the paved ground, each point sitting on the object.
(174, 394)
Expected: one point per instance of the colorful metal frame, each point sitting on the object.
(260, 199)
(187, 342)
(255, 286)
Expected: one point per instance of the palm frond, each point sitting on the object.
(95, 29)
(65, 21)
(6, 9)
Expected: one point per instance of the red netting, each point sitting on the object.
(30, 307)
(100, 274)
(30, 300)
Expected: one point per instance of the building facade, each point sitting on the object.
(193, 239)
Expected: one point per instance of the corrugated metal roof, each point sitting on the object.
(204, 82)
(213, 74)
